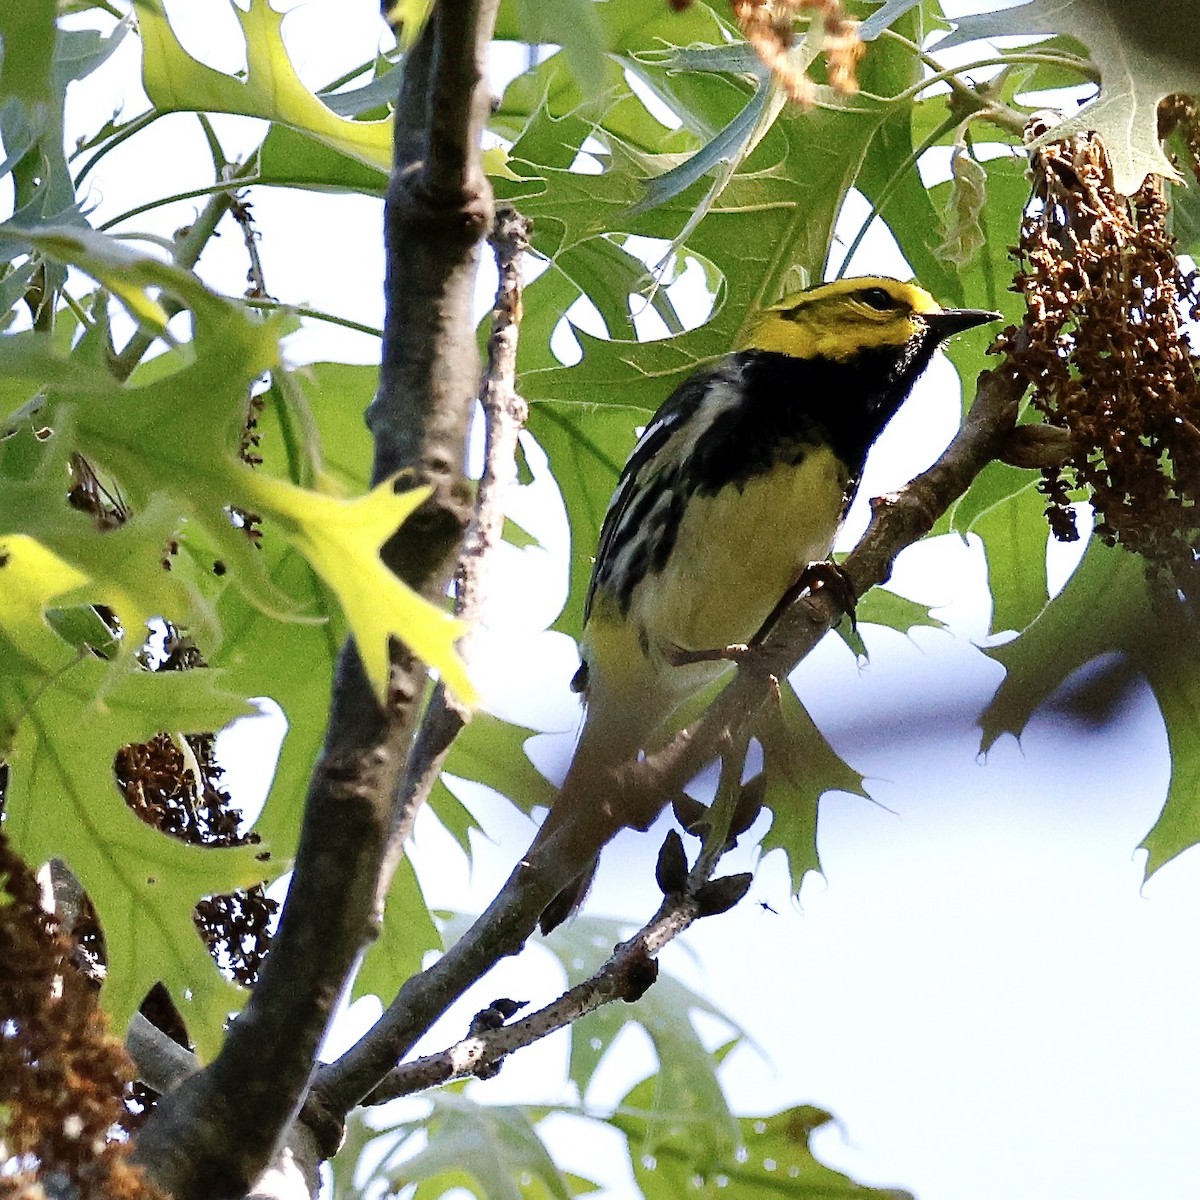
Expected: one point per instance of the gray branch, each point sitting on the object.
(217, 1133)
(505, 413)
(162, 1063)
(629, 971)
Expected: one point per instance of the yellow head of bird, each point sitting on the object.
(841, 319)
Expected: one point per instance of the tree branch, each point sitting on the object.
(629, 971)
(505, 414)
(640, 789)
(162, 1063)
(215, 1135)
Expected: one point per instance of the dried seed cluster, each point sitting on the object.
(769, 26)
(61, 1072)
(1106, 354)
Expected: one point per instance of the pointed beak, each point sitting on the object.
(955, 320)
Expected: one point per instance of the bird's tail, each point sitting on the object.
(615, 728)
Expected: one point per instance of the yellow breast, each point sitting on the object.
(738, 551)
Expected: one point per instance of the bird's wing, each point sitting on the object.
(648, 452)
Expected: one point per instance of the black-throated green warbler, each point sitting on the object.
(737, 485)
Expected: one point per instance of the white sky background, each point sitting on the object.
(979, 987)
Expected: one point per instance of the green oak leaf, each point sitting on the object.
(686, 1087)
(31, 652)
(772, 1160)
(576, 27)
(883, 607)
(38, 64)
(1145, 50)
(775, 212)
(203, 405)
(64, 714)
(271, 89)
(1175, 678)
(290, 159)
(124, 565)
(491, 1151)
(405, 937)
(129, 274)
(1067, 635)
(800, 767)
(312, 428)
(1108, 607)
(27, 41)
(985, 281)
(341, 539)
(63, 803)
(407, 18)
(587, 446)
(1014, 534)
(1000, 506)
(292, 664)
(492, 752)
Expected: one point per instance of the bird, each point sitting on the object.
(736, 487)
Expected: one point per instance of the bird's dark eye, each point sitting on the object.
(878, 298)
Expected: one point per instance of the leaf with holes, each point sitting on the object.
(1145, 50)
(63, 803)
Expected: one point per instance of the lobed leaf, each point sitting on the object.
(490, 1151)
(800, 767)
(271, 89)
(1156, 636)
(686, 1087)
(773, 1159)
(1143, 55)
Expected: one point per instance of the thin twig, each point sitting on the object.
(505, 413)
(240, 211)
(187, 254)
(629, 971)
(720, 816)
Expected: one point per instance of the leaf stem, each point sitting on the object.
(78, 310)
(212, 189)
(989, 108)
(187, 254)
(354, 73)
(890, 187)
(314, 314)
(136, 125)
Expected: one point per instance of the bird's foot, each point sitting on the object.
(815, 576)
(677, 656)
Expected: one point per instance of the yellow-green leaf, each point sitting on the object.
(341, 540)
(176, 82)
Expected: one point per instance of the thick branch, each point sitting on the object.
(505, 414)
(216, 1134)
(640, 790)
